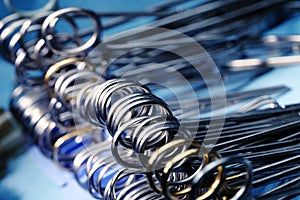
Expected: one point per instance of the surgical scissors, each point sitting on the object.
(210, 23)
(140, 122)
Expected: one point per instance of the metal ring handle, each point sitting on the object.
(220, 165)
(51, 20)
(60, 65)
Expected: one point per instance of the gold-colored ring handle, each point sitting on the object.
(60, 65)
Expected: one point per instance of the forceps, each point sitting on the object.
(202, 25)
(266, 158)
(73, 51)
(211, 23)
(161, 9)
(231, 98)
(285, 49)
(254, 180)
(252, 138)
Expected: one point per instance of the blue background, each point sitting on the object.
(34, 177)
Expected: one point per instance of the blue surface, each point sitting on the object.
(288, 76)
(34, 177)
